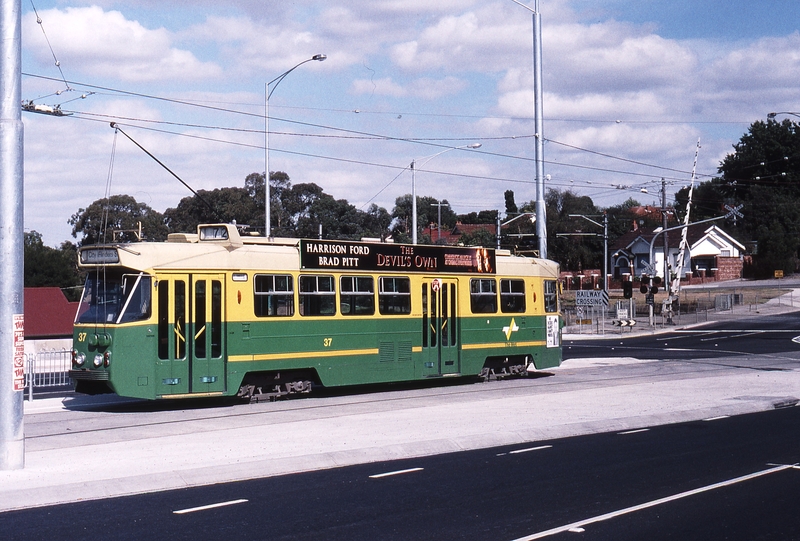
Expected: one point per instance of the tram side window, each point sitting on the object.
(483, 296)
(394, 295)
(357, 295)
(550, 296)
(512, 296)
(274, 295)
(317, 296)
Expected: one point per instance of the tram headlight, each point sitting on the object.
(98, 359)
(78, 358)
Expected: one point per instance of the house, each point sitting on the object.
(48, 319)
(711, 253)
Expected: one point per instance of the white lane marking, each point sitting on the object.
(398, 472)
(207, 507)
(633, 431)
(530, 449)
(716, 418)
(653, 503)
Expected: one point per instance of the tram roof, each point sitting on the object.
(221, 247)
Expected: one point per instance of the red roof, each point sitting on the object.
(48, 313)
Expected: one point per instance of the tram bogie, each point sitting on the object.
(219, 314)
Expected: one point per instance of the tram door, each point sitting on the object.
(190, 334)
(440, 327)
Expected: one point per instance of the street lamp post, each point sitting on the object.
(268, 93)
(772, 116)
(414, 185)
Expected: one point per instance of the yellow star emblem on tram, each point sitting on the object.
(510, 329)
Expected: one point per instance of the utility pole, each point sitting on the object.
(12, 332)
(439, 227)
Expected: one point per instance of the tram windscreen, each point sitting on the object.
(115, 298)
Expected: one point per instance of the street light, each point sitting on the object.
(267, 92)
(772, 116)
(414, 185)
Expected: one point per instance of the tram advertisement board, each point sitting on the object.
(327, 254)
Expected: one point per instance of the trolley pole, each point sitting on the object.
(12, 336)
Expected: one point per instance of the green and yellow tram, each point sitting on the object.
(217, 313)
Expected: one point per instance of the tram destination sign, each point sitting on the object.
(326, 254)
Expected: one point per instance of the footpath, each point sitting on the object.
(99, 460)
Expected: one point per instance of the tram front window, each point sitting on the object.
(114, 298)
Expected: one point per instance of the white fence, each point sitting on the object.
(47, 370)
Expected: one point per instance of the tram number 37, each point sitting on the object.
(327, 342)
(81, 337)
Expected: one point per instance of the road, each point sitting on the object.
(553, 488)
(769, 337)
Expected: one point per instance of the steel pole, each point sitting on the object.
(12, 336)
(413, 202)
(541, 216)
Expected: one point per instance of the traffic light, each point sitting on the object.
(627, 289)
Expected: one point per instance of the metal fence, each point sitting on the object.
(47, 370)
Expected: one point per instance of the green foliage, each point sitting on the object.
(574, 252)
(511, 206)
(763, 175)
(222, 205)
(51, 267)
(481, 237)
(117, 217)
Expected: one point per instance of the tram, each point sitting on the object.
(219, 313)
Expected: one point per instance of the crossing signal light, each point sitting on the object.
(627, 289)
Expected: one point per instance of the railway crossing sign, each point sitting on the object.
(591, 298)
(733, 212)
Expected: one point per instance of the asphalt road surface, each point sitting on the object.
(730, 478)
(769, 335)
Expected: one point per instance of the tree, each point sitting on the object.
(763, 175)
(511, 206)
(427, 214)
(51, 267)
(279, 183)
(222, 205)
(572, 252)
(117, 218)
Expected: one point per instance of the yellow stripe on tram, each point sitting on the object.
(301, 355)
(535, 343)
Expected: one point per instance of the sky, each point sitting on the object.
(629, 89)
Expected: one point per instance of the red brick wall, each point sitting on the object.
(728, 268)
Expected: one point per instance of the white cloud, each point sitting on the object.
(105, 43)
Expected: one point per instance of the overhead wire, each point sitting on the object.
(355, 134)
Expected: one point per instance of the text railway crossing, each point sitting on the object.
(591, 298)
